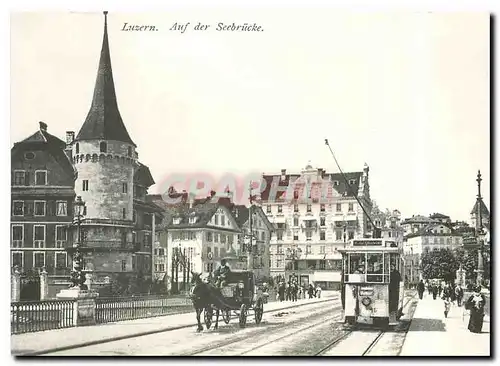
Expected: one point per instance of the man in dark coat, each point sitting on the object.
(459, 294)
(421, 289)
(475, 303)
(394, 281)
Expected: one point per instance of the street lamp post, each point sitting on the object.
(77, 275)
(479, 232)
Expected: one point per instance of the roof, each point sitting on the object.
(484, 209)
(427, 231)
(104, 121)
(284, 181)
(45, 141)
(438, 216)
(142, 176)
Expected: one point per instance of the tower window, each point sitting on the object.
(77, 148)
(85, 187)
(129, 151)
(103, 147)
(124, 212)
(124, 188)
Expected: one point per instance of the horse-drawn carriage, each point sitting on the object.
(239, 295)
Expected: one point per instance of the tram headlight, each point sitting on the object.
(366, 301)
(241, 285)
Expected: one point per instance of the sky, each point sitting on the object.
(406, 93)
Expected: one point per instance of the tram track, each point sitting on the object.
(213, 348)
(333, 301)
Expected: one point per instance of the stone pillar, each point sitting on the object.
(15, 285)
(44, 284)
(84, 308)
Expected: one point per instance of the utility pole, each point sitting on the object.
(250, 217)
(479, 231)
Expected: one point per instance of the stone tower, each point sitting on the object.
(104, 157)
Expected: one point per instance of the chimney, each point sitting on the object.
(191, 201)
(43, 126)
(70, 136)
(283, 174)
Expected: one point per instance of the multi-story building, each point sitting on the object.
(433, 236)
(101, 166)
(314, 213)
(390, 224)
(261, 229)
(205, 231)
(42, 203)
(416, 223)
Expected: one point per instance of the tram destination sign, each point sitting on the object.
(365, 243)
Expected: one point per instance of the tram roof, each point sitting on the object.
(369, 249)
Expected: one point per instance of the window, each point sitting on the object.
(161, 251)
(39, 208)
(308, 236)
(216, 252)
(322, 250)
(338, 235)
(176, 220)
(192, 220)
(296, 194)
(279, 249)
(441, 240)
(17, 236)
(38, 259)
(351, 207)
(322, 221)
(209, 237)
(61, 236)
(339, 207)
(77, 148)
(279, 263)
(17, 259)
(457, 240)
(223, 238)
(129, 151)
(124, 187)
(216, 238)
(375, 269)
(390, 234)
(280, 208)
(309, 208)
(134, 216)
(103, 147)
(230, 239)
(124, 213)
(39, 236)
(350, 235)
(295, 208)
(161, 267)
(61, 208)
(336, 183)
(295, 221)
(124, 265)
(19, 178)
(40, 177)
(268, 209)
(18, 208)
(322, 207)
(85, 186)
(352, 181)
(223, 220)
(216, 219)
(295, 237)
(322, 235)
(308, 249)
(279, 235)
(61, 260)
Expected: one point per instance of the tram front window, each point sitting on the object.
(357, 263)
(375, 267)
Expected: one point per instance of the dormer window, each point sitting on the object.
(192, 220)
(129, 151)
(336, 183)
(177, 220)
(352, 181)
(103, 147)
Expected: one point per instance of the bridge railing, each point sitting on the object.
(137, 307)
(35, 316)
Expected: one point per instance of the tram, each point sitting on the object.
(373, 288)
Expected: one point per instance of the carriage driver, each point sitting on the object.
(220, 273)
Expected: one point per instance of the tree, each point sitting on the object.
(439, 263)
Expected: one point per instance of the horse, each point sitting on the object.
(202, 298)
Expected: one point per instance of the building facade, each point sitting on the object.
(313, 214)
(432, 236)
(42, 204)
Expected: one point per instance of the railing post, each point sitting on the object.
(44, 284)
(15, 284)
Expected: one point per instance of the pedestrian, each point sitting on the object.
(288, 291)
(459, 294)
(434, 292)
(475, 303)
(311, 291)
(421, 289)
(429, 287)
(318, 292)
(440, 290)
(294, 291)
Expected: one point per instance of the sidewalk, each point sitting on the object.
(431, 334)
(51, 340)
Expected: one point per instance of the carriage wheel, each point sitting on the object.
(259, 310)
(226, 315)
(243, 315)
(208, 317)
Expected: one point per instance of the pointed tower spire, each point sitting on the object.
(104, 121)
